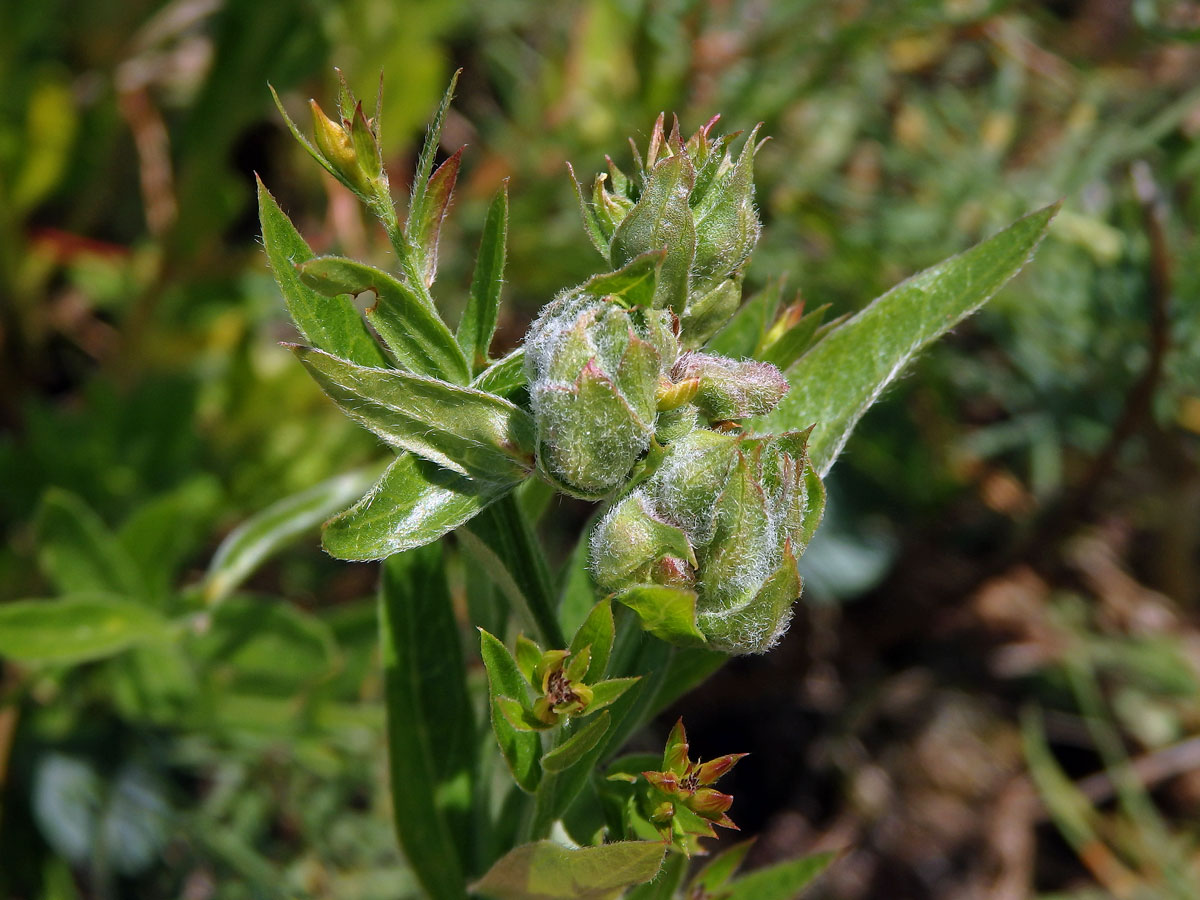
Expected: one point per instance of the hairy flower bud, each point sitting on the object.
(747, 507)
(693, 199)
(350, 147)
(594, 369)
(729, 390)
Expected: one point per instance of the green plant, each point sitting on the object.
(637, 388)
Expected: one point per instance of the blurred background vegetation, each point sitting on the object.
(992, 688)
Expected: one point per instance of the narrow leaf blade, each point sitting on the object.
(424, 232)
(429, 723)
(548, 871)
(413, 331)
(483, 302)
(414, 503)
(573, 749)
(330, 323)
(521, 749)
(835, 382)
(77, 551)
(252, 542)
(77, 628)
(782, 881)
(470, 432)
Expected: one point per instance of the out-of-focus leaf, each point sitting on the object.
(795, 341)
(413, 330)
(330, 323)
(478, 322)
(503, 541)
(252, 542)
(164, 532)
(521, 749)
(586, 735)
(720, 868)
(76, 628)
(264, 646)
(467, 431)
(80, 813)
(836, 382)
(548, 871)
(431, 730)
(78, 552)
(782, 881)
(413, 503)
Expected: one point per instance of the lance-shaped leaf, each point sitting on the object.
(413, 330)
(414, 503)
(744, 333)
(591, 222)
(425, 228)
(662, 220)
(423, 199)
(78, 552)
(77, 628)
(274, 527)
(835, 382)
(572, 750)
(798, 333)
(467, 431)
(782, 881)
(478, 323)
(331, 324)
(521, 748)
(429, 723)
(548, 871)
(633, 284)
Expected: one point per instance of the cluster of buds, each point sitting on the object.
(695, 199)
(559, 680)
(705, 546)
(722, 520)
(680, 803)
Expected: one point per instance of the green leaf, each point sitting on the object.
(165, 531)
(597, 632)
(605, 693)
(720, 869)
(634, 284)
(76, 628)
(412, 329)
(470, 432)
(520, 717)
(548, 871)
(502, 539)
(78, 553)
(571, 751)
(835, 382)
(431, 732)
(329, 323)
(418, 206)
(504, 378)
(664, 885)
(266, 532)
(591, 224)
(521, 749)
(424, 229)
(478, 322)
(666, 612)
(782, 881)
(414, 503)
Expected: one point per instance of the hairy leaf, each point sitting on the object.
(478, 322)
(548, 871)
(586, 735)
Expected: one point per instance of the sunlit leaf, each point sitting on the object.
(76, 628)
(547, 871)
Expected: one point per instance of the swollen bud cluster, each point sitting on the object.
(724, 518)
(703, 539)
(694, 199)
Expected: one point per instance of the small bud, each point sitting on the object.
(594, 369)
(747, 507)
(349, 148)
(728, 390)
